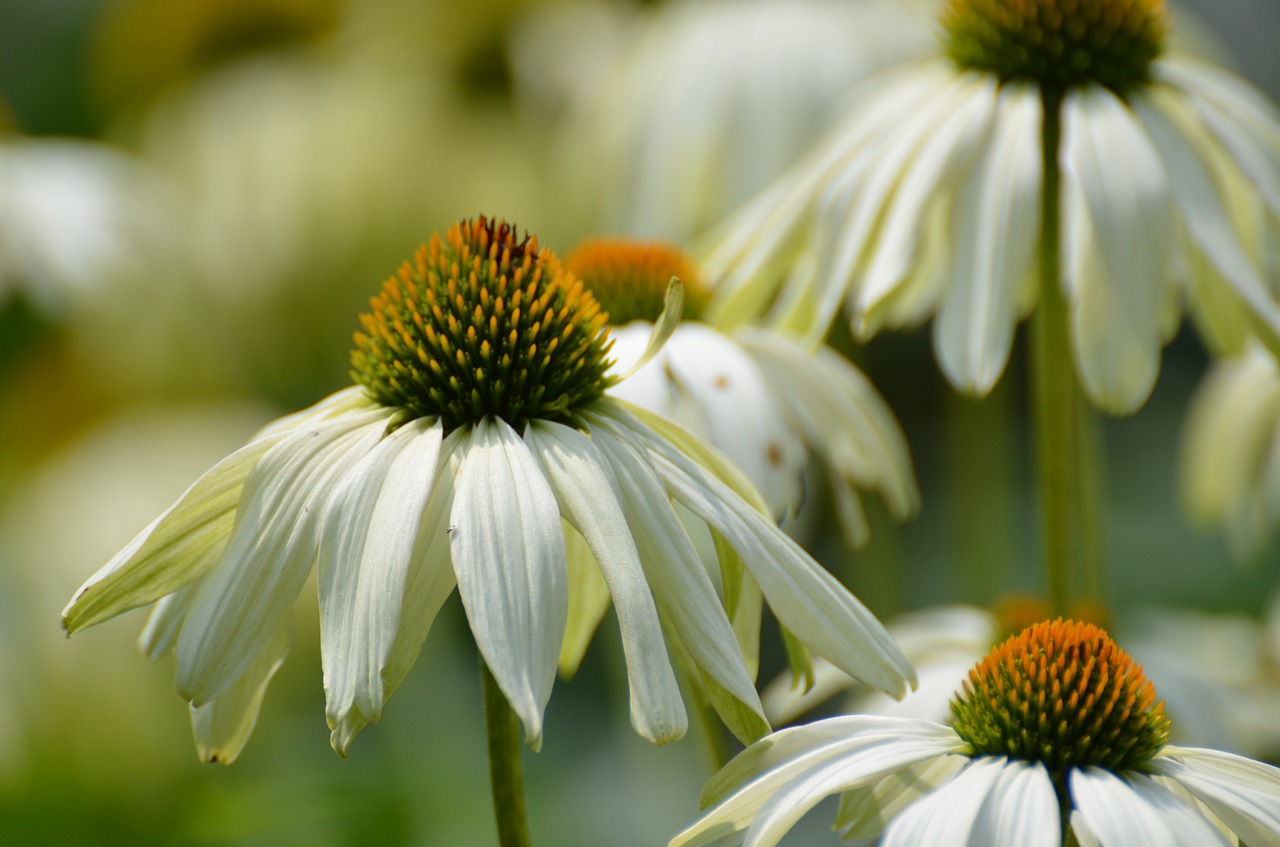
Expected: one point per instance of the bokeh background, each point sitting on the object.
(196, 199)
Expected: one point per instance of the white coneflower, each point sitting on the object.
(929, 200)
(1056, 736)
(478, 431)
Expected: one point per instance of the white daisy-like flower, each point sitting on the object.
(477, 444)
(769, 403)
(676, 117)
(1231, 450)
(927, 201)
(1057, 727)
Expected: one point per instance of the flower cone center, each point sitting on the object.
(1062, 693)
(483, 323)
(630, 278)
(1058, 44)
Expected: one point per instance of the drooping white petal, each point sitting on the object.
(371, 529)
(256, 582)
(1244, 793)
(1240, 118)
(428, 583)
(1175, 134)
(996, 224)
(509, 558)
(807, 599)
(222, 726)
(946, 157)
(796, 772)
(1135, 811)
(676, 576)
(851, 207)
(1021, 810)
(164, 623)
(1118, 273)
(864, 812)
(947, 816)
(842, 416)
(588, 498)
(176, 549)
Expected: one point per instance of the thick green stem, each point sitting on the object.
(505, 778)
(1053, 376)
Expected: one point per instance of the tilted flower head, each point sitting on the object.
(767, 401)
(478, 442)
(927, 201)
(1056, 725)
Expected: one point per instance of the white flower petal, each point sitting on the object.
(806, 599)
(509, 558)
(164, 623)
(1021, 811)
(676, 576)
(579, 476)
(428, 583)
(996, 225)
(841, 758)
(222, 726)
(176, 549)
(1174, 133)
(1135, 811)
(371, 529)
(946, 157)
(1117, 289)
(1245, 794)
(864, 812)
(255, 584)
(947, 816)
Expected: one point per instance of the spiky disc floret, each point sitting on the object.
(1058, 44)
(1062, 693)
(483, 323)
(630, 277)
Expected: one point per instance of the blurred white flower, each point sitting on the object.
(926, 203)
(72, 215)
(676, 117)
(478, 438)
(1057, 725)
(1231, 450)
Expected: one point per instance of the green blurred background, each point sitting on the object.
(241, 175)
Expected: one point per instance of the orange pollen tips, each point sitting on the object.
(1058, 44)
(483, 323)
(630, 278)
(1062, 693)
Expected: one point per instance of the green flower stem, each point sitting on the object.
(505, 778)
(1054, 389)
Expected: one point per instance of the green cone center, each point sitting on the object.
(1062, 693)
(1058, 44)
(483, 323)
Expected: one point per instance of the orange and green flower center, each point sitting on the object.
(1062, 693)
(630, 278)
(1058, 44)
(483, 323)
